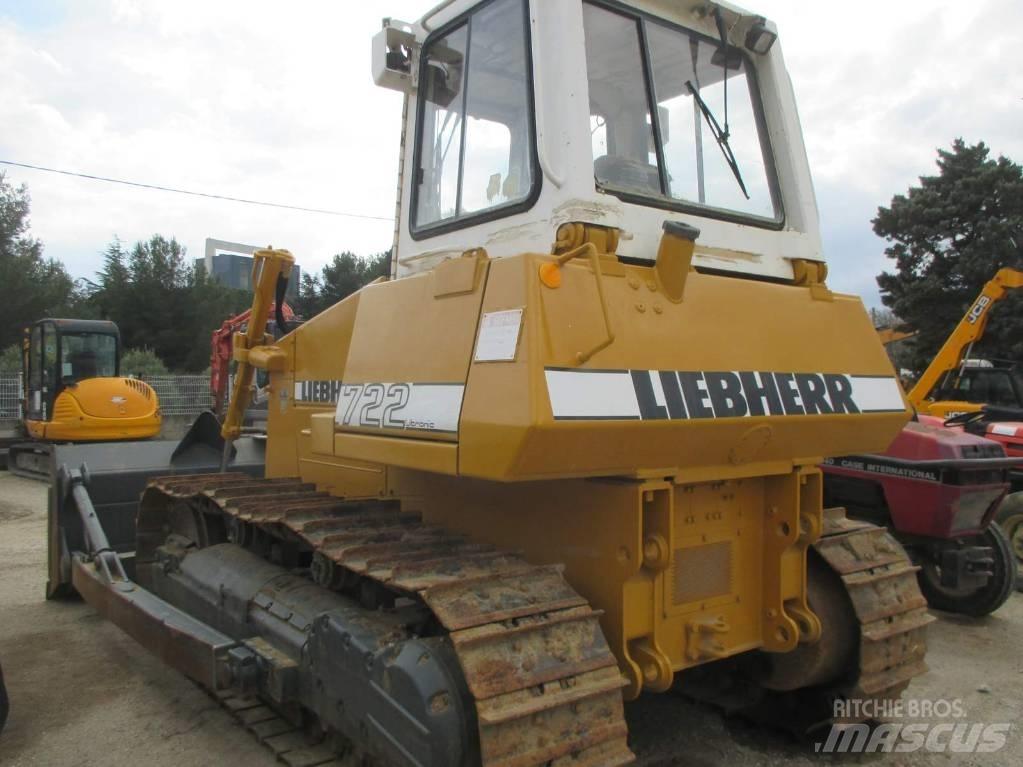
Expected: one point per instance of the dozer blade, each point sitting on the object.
(118, 472)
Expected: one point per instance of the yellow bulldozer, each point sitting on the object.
(73, 392)
(568, 454)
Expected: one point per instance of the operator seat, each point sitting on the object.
(83, 365)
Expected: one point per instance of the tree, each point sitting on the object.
(884, 318)
(345, 274)
(10, 359)
(947, 237)
(162, 303)
(142, 363)
(31, 287)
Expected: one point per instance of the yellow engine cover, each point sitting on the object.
(101, 410)
(740, 378)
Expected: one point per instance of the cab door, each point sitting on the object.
(35, 401)
(43, 375)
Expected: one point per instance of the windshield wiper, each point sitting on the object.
(721, 136)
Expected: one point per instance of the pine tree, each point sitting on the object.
(948, 236)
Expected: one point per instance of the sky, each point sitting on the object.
(274, 101)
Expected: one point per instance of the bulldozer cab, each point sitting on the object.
(58, 354)
(521, 116)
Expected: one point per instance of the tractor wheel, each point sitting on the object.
(975, 602)
(1010, 517)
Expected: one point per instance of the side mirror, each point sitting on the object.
(443, 81)
(395, 54)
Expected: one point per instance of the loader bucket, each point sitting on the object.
(117, 473)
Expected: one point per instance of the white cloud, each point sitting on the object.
(274, 101)
(882, 85)
(245, 99)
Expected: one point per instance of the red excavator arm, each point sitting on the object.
(221, 349)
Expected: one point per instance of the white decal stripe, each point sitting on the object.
(614, 394)
(592, 395)
(873, 394)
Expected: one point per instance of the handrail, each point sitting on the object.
(590, 251)
(424, 23)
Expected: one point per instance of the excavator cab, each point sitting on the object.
(60, 354)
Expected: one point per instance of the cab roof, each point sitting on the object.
(105, 327)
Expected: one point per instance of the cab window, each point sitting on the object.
(475, 152)
(985, 387)
(87, 355)
(657, 95)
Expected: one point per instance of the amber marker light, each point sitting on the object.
(550, 274)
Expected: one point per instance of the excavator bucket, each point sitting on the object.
(116, 473)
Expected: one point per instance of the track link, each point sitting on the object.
(546, 686)
(287, 742)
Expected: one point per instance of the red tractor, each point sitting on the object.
(1003, 425)
(937, 490)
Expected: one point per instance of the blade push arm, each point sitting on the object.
(221, 349)
(253, 347)
(969, 330)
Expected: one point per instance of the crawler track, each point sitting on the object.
(546, 687)
(30, 460)
(545, 684)
(881, 583)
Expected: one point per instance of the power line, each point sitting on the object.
(159, 188)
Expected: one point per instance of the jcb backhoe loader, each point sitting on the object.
(568, 454)
(953, 383)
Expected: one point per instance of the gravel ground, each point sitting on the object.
(82, 693)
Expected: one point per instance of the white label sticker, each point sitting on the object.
(406, 406)
(499, 336)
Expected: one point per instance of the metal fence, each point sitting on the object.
(184, 395)
(10, 396)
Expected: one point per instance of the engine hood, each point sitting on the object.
(114, 397)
